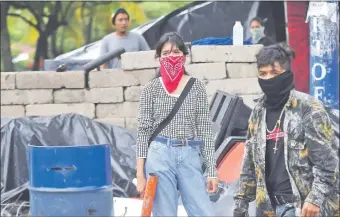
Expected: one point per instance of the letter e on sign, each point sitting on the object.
(319, 93)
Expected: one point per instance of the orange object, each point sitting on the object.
(230, 167)
(149, 196)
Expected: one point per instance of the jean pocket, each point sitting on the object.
(195, 149)
(155, 146)
(195, 157)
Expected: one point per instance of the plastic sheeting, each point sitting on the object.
(72, 129)
(62, 130)
(217, 41)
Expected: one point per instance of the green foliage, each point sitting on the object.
(154, 10)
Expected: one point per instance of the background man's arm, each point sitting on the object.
(143, 45)
(104, 48)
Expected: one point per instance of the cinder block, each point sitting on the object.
(86, 109)
(143, 75)
(69, 96)
(130, 109)
(104, 95)
(242, 70)
(229, 53)
(24, 97)
(111, 78)
(119, 122)
(72, 79)
(109, 110)
(12, 111)
(142, 60)
(237, 86)
(117, 110)
(8, 80)
(48, 80)
(207, 71)
(132, 94)
(131, 123)
(139, 60)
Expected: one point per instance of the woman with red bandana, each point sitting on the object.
(175, 154)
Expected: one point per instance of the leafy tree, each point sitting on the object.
(57, 27)
(6, 54)
(154, 10)
(48, 17)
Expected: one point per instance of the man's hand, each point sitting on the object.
(310, 210)
(212, 185)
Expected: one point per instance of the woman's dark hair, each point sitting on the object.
(257, 19)
(275, 53)
(174, 39)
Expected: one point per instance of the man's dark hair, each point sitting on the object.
(275, 53)
(119, 11)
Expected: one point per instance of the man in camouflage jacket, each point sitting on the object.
(310, 153)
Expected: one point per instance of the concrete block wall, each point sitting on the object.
(113, 94)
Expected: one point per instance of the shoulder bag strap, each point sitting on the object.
(174, 110)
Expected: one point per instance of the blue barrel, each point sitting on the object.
(70, 181)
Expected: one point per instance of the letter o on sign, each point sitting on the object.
(323, 71)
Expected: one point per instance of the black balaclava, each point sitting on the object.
(277, 89)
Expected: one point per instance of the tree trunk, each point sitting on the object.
(6, 55)
(54, 44)
(89, 25)
(89, 31)
(41, 52)
(62, 39)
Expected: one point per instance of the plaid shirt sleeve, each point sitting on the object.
(145, 119)
(204, 131)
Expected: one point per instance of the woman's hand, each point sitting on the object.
(212, 185)
(141, 184)
(141, 181)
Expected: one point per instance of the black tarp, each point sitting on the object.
(73, 129)
(62, 130)
(193, 21)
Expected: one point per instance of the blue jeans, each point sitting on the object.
(178, 168)
(285, 210)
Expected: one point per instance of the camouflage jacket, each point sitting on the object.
(311, 158)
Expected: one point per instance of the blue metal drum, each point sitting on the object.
(70, 181)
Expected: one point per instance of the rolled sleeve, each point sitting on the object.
(145, 122)
(204, 131)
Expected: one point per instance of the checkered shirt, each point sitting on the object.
(191, 121)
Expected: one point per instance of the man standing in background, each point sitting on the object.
(130, 41)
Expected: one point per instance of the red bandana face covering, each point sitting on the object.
(171, 70)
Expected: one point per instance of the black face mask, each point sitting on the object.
(277, 89)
